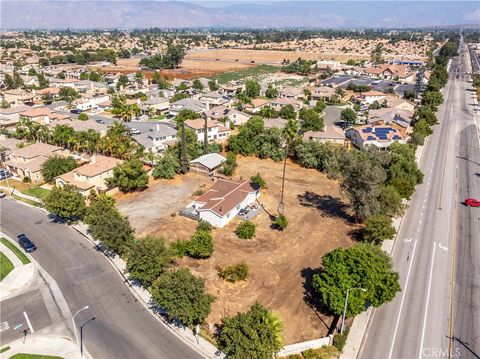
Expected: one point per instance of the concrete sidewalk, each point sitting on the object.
(19, 277)
(43, 345)
(199, 344)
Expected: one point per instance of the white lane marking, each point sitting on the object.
(28, 322)
(442, 247)
(402, 301)
(427, 301)
(406, 240)
(4, 326)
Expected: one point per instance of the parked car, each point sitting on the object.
(472, 202)
(4, 174)
(26, 243)
(134, 131)
(2, 194)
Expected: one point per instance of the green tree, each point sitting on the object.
(287, 112)
(167, 167)
(183, 296)
(212, 85)
(149, 257)
(310, 120)
(254, 334)
(245, 230)
(258, 180)
(252, 88)
(268, 112)
(173, 56)
(377, 54)
(200, 245)
(65, 202)
(432, 99)
(234, 273)
(349, 116)
(403, 172)
(360, 266)
(197, 85)
(56, 166)
(378, 228)
(122, 81)
(271, 92)
(83, 117)
(281, 222)
(247, 141)
(68, 94)
(390, 201)
(129, 176)
(320, 106)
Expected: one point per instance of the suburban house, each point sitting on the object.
(90, 176)
(371, 96)
(324, 93)
(10, 116)
(330, 134)
(18, 97)
(278, 103)
(232, 87)
(391, 72)
(220, 113)
(90, 101)
(256, 105)
(43, 115)
(291, 93)
(187, 104)
(161, 105)
(207, 164)
(27, 161)
(379, 136)
(50, 92)
(158, 139)
(214, 98)
(222, 202)
(216, 131)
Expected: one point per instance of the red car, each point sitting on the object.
(472, 202)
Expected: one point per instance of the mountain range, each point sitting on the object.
(47, 14)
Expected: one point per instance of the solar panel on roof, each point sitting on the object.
(371, 138)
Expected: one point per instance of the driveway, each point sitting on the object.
(162, 198)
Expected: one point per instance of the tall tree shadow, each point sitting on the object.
(328, 206)
(310, 298)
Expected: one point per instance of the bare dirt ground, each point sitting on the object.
(161, 199)
(281, 263)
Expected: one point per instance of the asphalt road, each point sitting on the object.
(123, 328)
(12, 313)
(438, 241)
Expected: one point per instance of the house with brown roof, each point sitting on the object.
(216, 131)
(322, 92)
(27, 161)
(222, 202)
(331, 134)
(43, 115)
(391, 72)
(222, 112)
(18, 97)
(90, 176)
(256, 105)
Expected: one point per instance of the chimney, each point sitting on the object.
(157, 126)
(93, 159)
(207, 105)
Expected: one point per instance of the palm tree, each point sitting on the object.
(273, 321)
(289, 133)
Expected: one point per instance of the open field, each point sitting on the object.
(280, 262)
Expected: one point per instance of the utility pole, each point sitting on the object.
(345, 308)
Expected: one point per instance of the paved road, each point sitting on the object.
(438, 241)
(123, 328)
(12, 313)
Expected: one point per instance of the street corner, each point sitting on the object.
(45, 345)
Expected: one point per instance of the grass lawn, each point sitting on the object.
(23, 258)
(33, 356)
(38, 192)
(252, 71)
(5, 266)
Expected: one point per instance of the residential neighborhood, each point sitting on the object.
(237, 192)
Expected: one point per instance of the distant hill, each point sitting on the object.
(174, 14)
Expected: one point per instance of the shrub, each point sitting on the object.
(259, 180)
(204, 226)
(83, 117)
(65, 202)
(179, 248)
(56, 166)
(26, 180)
(200, 245)
(234, 273)
(339, 340)
(378, 228)
(245, 230)
(281, 222)
(167, 167)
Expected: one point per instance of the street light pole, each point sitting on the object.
(345, 307)
(73, 320)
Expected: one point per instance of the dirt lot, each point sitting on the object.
(148, 209)
(279, 261)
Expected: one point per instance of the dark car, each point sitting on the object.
(26, 243)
